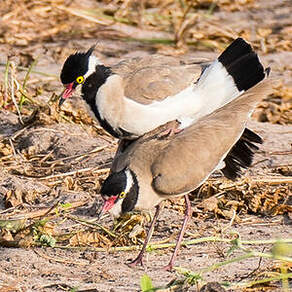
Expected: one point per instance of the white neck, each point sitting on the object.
(92, 63)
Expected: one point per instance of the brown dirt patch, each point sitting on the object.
(59, 159)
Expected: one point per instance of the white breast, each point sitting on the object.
(214, 89)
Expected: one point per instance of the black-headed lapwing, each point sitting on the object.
(138, 95)
(152, 169)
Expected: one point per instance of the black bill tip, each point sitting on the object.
(61, 101)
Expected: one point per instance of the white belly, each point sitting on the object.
(214, 89)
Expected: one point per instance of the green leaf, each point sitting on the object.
(66, 205)
(282, 249)
(146, 283)
(47, 240)
(190, 276)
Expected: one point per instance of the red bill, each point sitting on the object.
(66, 93)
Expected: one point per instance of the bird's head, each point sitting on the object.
(119, 192)
(76, 69)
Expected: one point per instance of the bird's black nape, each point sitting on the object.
(75, 65)
(114, 184)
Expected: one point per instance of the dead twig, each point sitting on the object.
(93, 169)
(46, 211)
(95, 150)
(60, 260)
(91, 225)
(13, 81)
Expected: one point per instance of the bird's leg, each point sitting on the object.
(181, 233)
(139, 258)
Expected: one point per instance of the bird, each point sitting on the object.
(138, 95)
(152, 168)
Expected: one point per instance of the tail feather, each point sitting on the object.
(251, 136)
(234, 51)
(247, 71)
(236, 70)
(241, 154)
(243, 64)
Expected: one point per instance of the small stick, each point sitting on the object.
(91, 224)
(13, 149)
(47, 156)
(6, 73)
(97, 149)
(46, 211)
(254, 270)
(67, 173)
(185, 243)
(281, 152)
(231, 222)
(13, 80)
(59, 260)
(280, 180)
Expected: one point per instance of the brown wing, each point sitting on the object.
(135, 153)
(156, 77)
(192, 155)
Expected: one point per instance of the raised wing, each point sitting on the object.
(191, 156)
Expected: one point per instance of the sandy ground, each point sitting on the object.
(54, 269)
(39, 269)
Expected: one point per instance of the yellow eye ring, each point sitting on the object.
(80, 79)
(122, 195)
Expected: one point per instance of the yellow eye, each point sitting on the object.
(122, 195)
(80, 79)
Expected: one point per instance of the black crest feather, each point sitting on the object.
(75, 65)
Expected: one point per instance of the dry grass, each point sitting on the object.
(171, 26)
(181, 22)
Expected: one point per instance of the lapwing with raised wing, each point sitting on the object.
(137, 95)
(153, 168)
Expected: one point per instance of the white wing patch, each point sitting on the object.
(214, 89)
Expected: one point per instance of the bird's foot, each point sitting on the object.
(171, 130)
(137, 261)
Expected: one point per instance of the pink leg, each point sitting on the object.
(181, 233)
(171, 130)
(139, 258)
